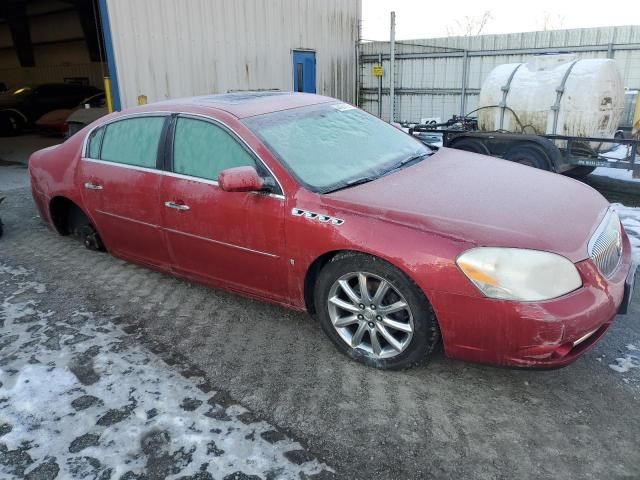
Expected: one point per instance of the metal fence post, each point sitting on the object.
(392, 76)
(380, 88)
(463, 92)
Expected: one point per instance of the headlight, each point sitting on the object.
(519, 274)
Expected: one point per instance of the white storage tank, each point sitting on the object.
(553, 94)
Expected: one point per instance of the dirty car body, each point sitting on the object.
(311, 208)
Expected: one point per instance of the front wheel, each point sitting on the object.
(374, 313)
(10, 124)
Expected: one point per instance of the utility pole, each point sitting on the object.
(392, 76)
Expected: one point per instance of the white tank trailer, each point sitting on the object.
(554, 95)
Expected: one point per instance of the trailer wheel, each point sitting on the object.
(530, 155)
(471, 145)
(579, 172)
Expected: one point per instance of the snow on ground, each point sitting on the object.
(627, 362)
(79, 399)
(630, 218)
(617, 153)
(615, 173)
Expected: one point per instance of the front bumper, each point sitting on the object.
(535, 334)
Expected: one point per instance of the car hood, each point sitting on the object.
(484, 201)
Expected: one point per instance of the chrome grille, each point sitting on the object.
(605, 248)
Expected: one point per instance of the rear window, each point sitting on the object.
(133, 141)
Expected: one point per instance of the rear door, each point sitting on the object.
(120, 183)
(229, 238)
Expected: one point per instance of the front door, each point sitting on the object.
(120, 187)
(304, 71)
(229, 238)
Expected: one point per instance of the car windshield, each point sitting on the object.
(19, 91)
(332, 146)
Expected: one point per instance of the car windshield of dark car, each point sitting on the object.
(19, 91)
(332, 146)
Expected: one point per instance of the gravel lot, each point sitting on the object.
(448, 419)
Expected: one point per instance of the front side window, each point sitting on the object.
(133, 141)
(331, 146)
(202, 149)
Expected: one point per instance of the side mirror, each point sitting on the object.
(240, 179)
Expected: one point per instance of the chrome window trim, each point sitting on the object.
(173, 174)
(122, 165)
(85, 141)
(170, 174)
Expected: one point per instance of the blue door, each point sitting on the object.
(304, 71)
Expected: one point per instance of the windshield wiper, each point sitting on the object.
(352, 183)
(394, 168)
(406, 161)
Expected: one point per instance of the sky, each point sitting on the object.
(428, 19)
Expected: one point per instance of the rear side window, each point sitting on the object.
(202, 149)
(133, 141)
(95, 142)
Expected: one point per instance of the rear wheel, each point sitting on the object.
(89, 237)
(374, 313)
(69, 219)
(529, 155)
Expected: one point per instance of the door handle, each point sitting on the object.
(177, 206)
(92, 186)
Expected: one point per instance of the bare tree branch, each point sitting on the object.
(470, 25)
(552, 22)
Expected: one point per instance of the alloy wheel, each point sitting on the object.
(370, 314)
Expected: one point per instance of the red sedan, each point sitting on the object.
(316, 205)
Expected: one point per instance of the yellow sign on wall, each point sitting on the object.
(378, 71)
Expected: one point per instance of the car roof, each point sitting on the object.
(243, 104)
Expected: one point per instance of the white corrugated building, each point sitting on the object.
(172, 48)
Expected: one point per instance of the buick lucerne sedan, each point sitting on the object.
(314, 204)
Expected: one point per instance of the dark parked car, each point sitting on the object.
(21, 107)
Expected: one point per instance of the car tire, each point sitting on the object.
(407, 348)
(10, 124)
(530, 155)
